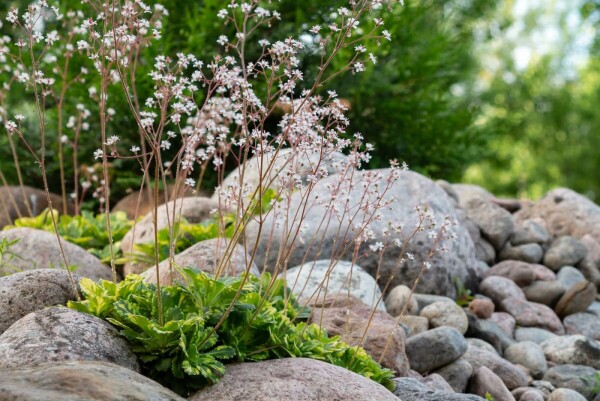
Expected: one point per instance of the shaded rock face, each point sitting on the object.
(330, 234)
(81, 380)
(410, 389)
(484, 382)
(577, 299)
(322, 278)
(511, 375)
(26, 292)
(574, 377)
(194, 210)
(457, 374)
(401, 301)
(352, 319)
(496, 223)
(61, 334)
(297, 379)
(446, 314)
(435, 348)
(16, 202)
(531, 314)
(37, 249)
(565, 251)
(572, 350)
(205, 256)
(140, 203)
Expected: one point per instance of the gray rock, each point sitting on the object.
(316, 280)
(496, 223)
(572, 350)
(577, 299)
(449, 189)
(530, 232)
(568, 276)
(574, 377)
(530, 253)
(511, 375)
(544, 292)
(529, 394)
(331, 235)
(533, 334)
(205, 256)
(530, 355)
(505, 321)
(490, 332)
(435, 348)
(532, 314)
(457, 374)
(566, 213)
(29, 291)
(409, 389)
(484, 382)
(193, 210)
(544, 386)
(482, 345)
(78, 381)
(446, 314)
(499, 288)
(424, 300)
(37, 249)
(590, 265)
(522, 273)
(485, 251)
(564, 251)
(565, 394)
(466, 192)
(584, 323)
(416, 324)
(61, 334)
(437, 383)
(594, 308)
(298, 379)
(400, 299)
(23, 201)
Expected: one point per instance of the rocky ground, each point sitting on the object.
(530, 332)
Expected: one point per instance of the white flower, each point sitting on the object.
(10, 126)
(64, 139)
(386, 34)
(359, 67)
(112, 140)
(372, 58)
(190, 182)
(410, 256)
(19, 117)
(222, 13)
(98, 154)
(427, 265)
(376, 246)
(166, 145)
(82, 45)
(135, 149)
(222, 40)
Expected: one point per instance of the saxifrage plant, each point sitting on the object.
(208, 322)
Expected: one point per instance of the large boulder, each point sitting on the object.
(297, 379)
(38, 249)
(435, 348)
(410, 389)
(337, 205)
(316, 280)
(61, 334)
(575, 349)
(288, 162)
(213, 256)
(193, 210)
(566, 213)
(496, 223)
(26, 292)
(16, 202)
(78, 381)
(140, 203)
(357, 324)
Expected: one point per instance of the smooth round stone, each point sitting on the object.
(416, 324)
(566, 394)
(399, 300)
(435, 348)
(512, 376)
(498, 288)
(496, 223)
(568, 276)
(505, 321)
(490, 332)
(528, 394)
(317, 280)
(533, 334)
(457, 374)
(437, 383)
(530, 253)
(529, 232)
(577, 299)
(427, 299)
(532, 314)
(573, 350)
(411, 389)
(478, 343)
(485, 251)
(529, 355)
(564, 251)
(522, 273)
(484, 382)
(446, 314)
(584, 323)
(544, 292)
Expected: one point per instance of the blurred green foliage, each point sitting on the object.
(403, 104)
